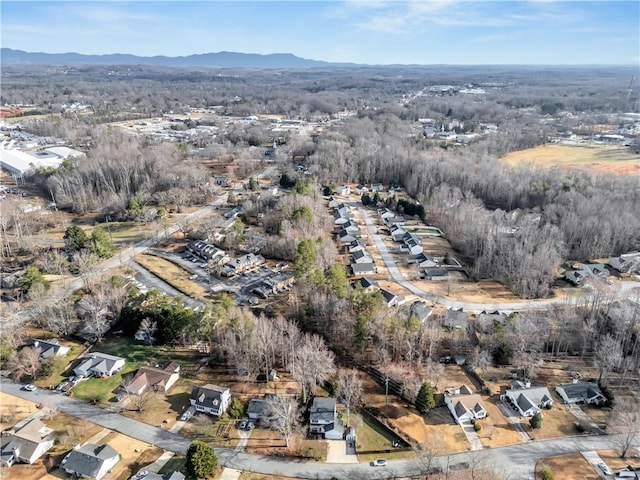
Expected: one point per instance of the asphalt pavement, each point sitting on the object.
(518, 461)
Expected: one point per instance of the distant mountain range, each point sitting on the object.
(221, 59)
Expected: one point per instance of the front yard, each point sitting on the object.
(568, 467)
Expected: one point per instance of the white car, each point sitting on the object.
(606, 470)
(30, 388)
(380, 462)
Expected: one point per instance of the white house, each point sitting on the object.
(48, 348)
(464, 405)
(361, 256)
(528, 400)
(90, 461)
(343, 190)
(25, 443)
(363, 268)
(99, 365)
(210, 399)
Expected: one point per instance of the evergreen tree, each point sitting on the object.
(424, 399)
(75, 238)
(201, 460)
(305, 259)
(536, 421)
(100, 244)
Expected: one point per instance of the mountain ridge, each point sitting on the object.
(224, 59)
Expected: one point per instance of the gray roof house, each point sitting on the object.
(25, 443)
(363, 268)
(323, 419)
(256, 406)
(361, 256)
(90, 461)
(455, 319)
(581, 392)
(99, 365)
(210, 399)
(48, 348)
(420, 311)
(367, 284)
(156, 476)
(528, 400)
(356, 245)
(391, 299)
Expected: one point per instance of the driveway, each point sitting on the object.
(338, 452)
(472, 436)
(513, 418)
(594, 459)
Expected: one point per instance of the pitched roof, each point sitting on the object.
(25, 437)
(322, 410)
(208, 395)
(87, 460)
(154, 376)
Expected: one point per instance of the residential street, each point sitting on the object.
(623, 290)
(518, 460)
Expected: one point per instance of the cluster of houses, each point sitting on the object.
(620, 265)
(527, 400)
(391, 299)
(348, 237)
(241, 264)
(208, 253)
(273, 284)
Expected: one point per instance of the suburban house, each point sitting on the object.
(377, 187)
(455, 319)
(350, 227)
(435, 274)
(360, 189)
(464, 405)
(90, 461)
(411, 244)
(334, 203)
(156, 379)
(420, 311)
(624, 263)
(99, 365)
(367, 284)
(345, 238)
(528, 400)
(343, 210)
(361, 256)
(578, 276)
(356, 245)
(241, 264)
(256, 408)
(25, 443)
(391, 299)
(487, 322)
(399, 220)
(48, 348)
(581, 392)
(343, 190)
(323, 419)
(339, 219)
(210, 399)
(363, 268)
(397, 232)
(386, 213)
(422, 260)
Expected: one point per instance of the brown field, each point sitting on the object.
(615, 462)
(14, 409)
(568, 467)
(173, 274)
(130, 450)
(596, 159)
(557, 422)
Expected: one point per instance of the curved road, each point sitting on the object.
(523, 305)
(518, 461)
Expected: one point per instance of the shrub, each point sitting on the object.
(546, 474)
(201, 460)
(477, 427)
(536, 421)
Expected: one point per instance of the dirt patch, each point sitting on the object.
(435, 428)
(130, 451)
(14, 409)
(568, 467)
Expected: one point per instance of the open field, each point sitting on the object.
(615, 462)
(556, 422)
(173, 274)
(568, 467)
(596, 159)
(496, 430)
(14, 409)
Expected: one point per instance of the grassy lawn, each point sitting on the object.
(175, 464)
(56, 372)
(370, 436)
(100, 390)
(173, 274)
(496, 430)
(556, 422)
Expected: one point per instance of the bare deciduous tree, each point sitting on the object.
(626, 423)
(283, 415)
(350, 389)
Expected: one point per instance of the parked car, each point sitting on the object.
(29, 388)
(186, 416)
(243, 424)
(379, 462)
(606, 470)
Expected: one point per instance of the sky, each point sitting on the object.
(369, 32)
